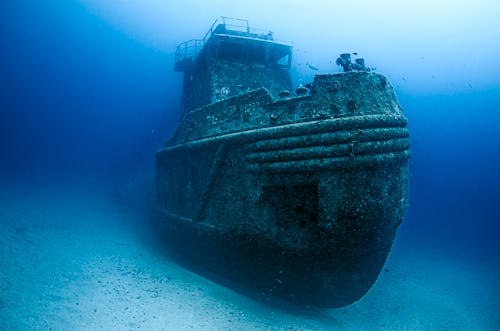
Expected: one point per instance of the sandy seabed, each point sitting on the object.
(79, 261)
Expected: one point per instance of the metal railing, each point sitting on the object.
(190, 49)
(242, 25)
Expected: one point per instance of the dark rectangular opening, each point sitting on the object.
(292, 205)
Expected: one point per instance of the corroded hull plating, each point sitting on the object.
(297, 198)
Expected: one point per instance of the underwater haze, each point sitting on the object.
(88, 95)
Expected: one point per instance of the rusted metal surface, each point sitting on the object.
(296, 198)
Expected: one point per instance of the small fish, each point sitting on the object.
(312, 67)
(355, 53)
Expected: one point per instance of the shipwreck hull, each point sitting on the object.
(298, 198)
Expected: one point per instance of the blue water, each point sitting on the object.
(85, 104)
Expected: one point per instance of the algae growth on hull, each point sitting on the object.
(297, 197)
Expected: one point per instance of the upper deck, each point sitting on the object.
(233, 36)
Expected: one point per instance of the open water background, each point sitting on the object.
(85, 102)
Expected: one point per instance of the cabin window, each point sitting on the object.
(284, 61)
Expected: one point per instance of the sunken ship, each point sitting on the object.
(290, 194)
